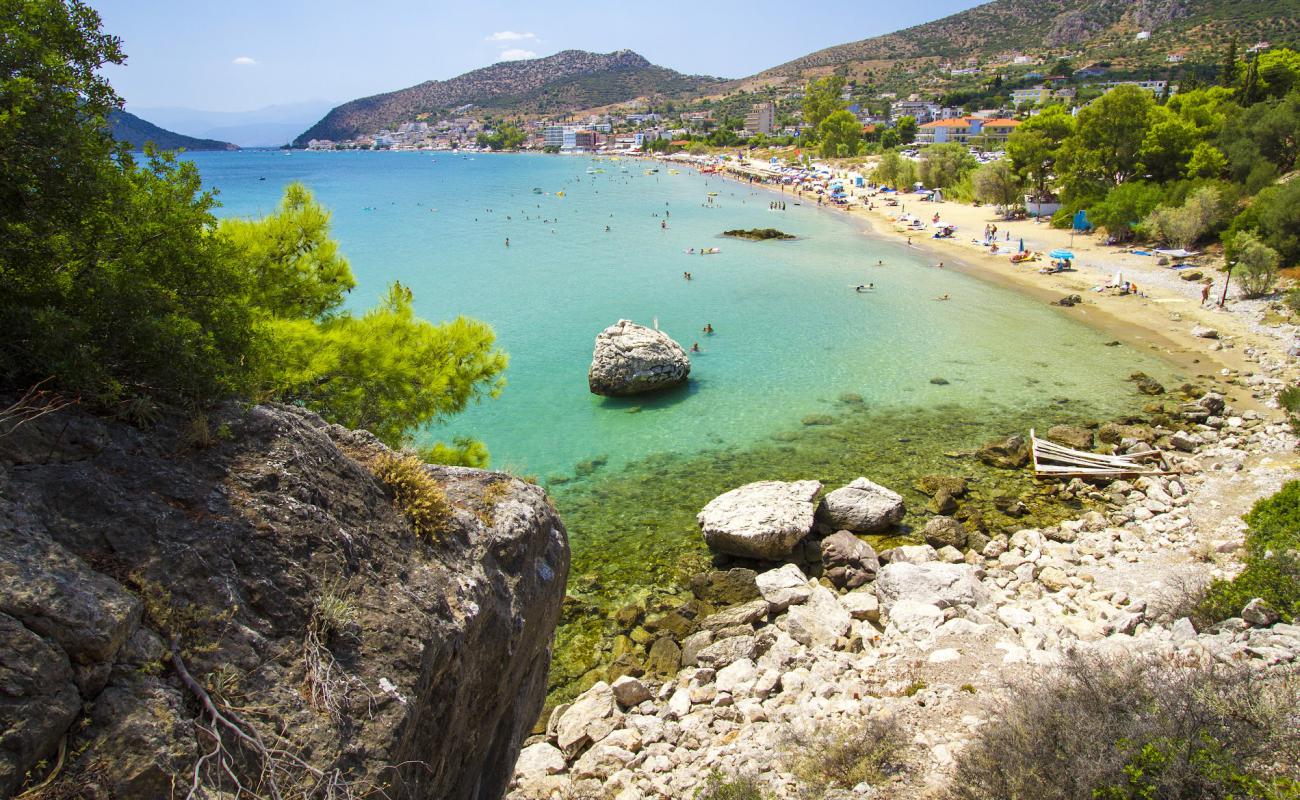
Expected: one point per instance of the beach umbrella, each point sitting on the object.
(1022, 245)
(1059, 253)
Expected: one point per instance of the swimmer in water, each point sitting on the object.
(945, 297)
(695, 348)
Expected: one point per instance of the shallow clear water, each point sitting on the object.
(791, 333)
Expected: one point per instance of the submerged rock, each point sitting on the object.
(757, 234)
(1009, 453)
(632, 359)
(1075, 436)
(762, 520)
(863, 507)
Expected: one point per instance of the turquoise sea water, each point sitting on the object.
(792, 335)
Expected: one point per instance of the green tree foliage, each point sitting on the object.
(1256, 269)
(118, 281)
(895, 171)
(506, 137)
(906, 128)
(1182, 226)
(1167, 146)
(840, 135)
(998, 184)
(295, 269)
(386, 371)
(1035, 146)
(1206, 161)
(1275, 215)
(943, 165)
(1125, 207)
(1279, 72)
(822, 98)
(890, 138)
(1106, 147)
(111, 284)
(1272, 562)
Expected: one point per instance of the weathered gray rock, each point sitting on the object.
(819, 621)
(744, 614)
(762, 520)
(940, 532)
(913, 617)
(664, 658)
(692, 646)
(1259, 613)
(913, 554)
(632, 359)
(848, 561)
(863, 507)
(1204, 332)
(232, 548)
(942, 585)
(862, 604)
(590, 718)
(783, 587)
(601, 761)
(725, 651)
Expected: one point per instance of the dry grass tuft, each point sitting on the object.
(415, 492)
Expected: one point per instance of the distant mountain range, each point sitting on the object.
(1092, 30)
(129, 128)
(271, 126)
(568, 81)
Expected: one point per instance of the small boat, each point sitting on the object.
(538, 190)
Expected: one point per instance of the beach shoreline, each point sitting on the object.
(1160, 320)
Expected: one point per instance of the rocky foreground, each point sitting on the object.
(930, 637)
(253, 599)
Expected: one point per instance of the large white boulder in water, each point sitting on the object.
(762, 520)
(631, 359)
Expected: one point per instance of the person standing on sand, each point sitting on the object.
(1205, 291)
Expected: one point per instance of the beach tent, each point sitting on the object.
(1179, 253)
(1081, 222)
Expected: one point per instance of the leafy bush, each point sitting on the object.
(866, 751)
(1256, 269)
(721, 787)
(1129, 727)
(1272, 569)
(415, 492)
(1289, 399)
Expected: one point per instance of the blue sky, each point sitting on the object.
(238, 55)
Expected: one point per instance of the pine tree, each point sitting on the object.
(1228, 73)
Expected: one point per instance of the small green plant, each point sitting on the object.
(415, 492)
(914, 687)
(1272, 569)
(864, 751)
(197, 433)
(1289, 399)
(719, 786)
(968, 688)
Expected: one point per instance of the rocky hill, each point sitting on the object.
(1090, 30)
(567, 81)
(241, 598)
(127, 127)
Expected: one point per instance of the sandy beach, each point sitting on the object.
(1161, 317)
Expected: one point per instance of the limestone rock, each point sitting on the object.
(849, 562)
(725, 587)
(942, 585)
(954, 485)
(762, 520)
(913, 554)
(1203, 332)
(745, 614)
(601, 761)
(783, 587)
(820, 621)
(589, 719)
(863, 507)
(862, 604)
(1259, 613)
(664, 658)
(910, 616)
(542, 758)
(725, 651)
(631, 359)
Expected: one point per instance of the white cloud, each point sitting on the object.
(244, 61)
(510, 36)
(517, 54)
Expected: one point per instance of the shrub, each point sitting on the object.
(1130, 727)
(415, 492)
(1272, 569)
(722, 787)
(1256, 269)
(865, 751)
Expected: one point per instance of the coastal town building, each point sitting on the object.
(760, 119)
(920, 110)
(1032, 96)
(965, 129)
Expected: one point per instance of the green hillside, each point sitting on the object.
(129, 128)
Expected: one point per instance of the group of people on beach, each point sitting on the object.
(776, 205)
